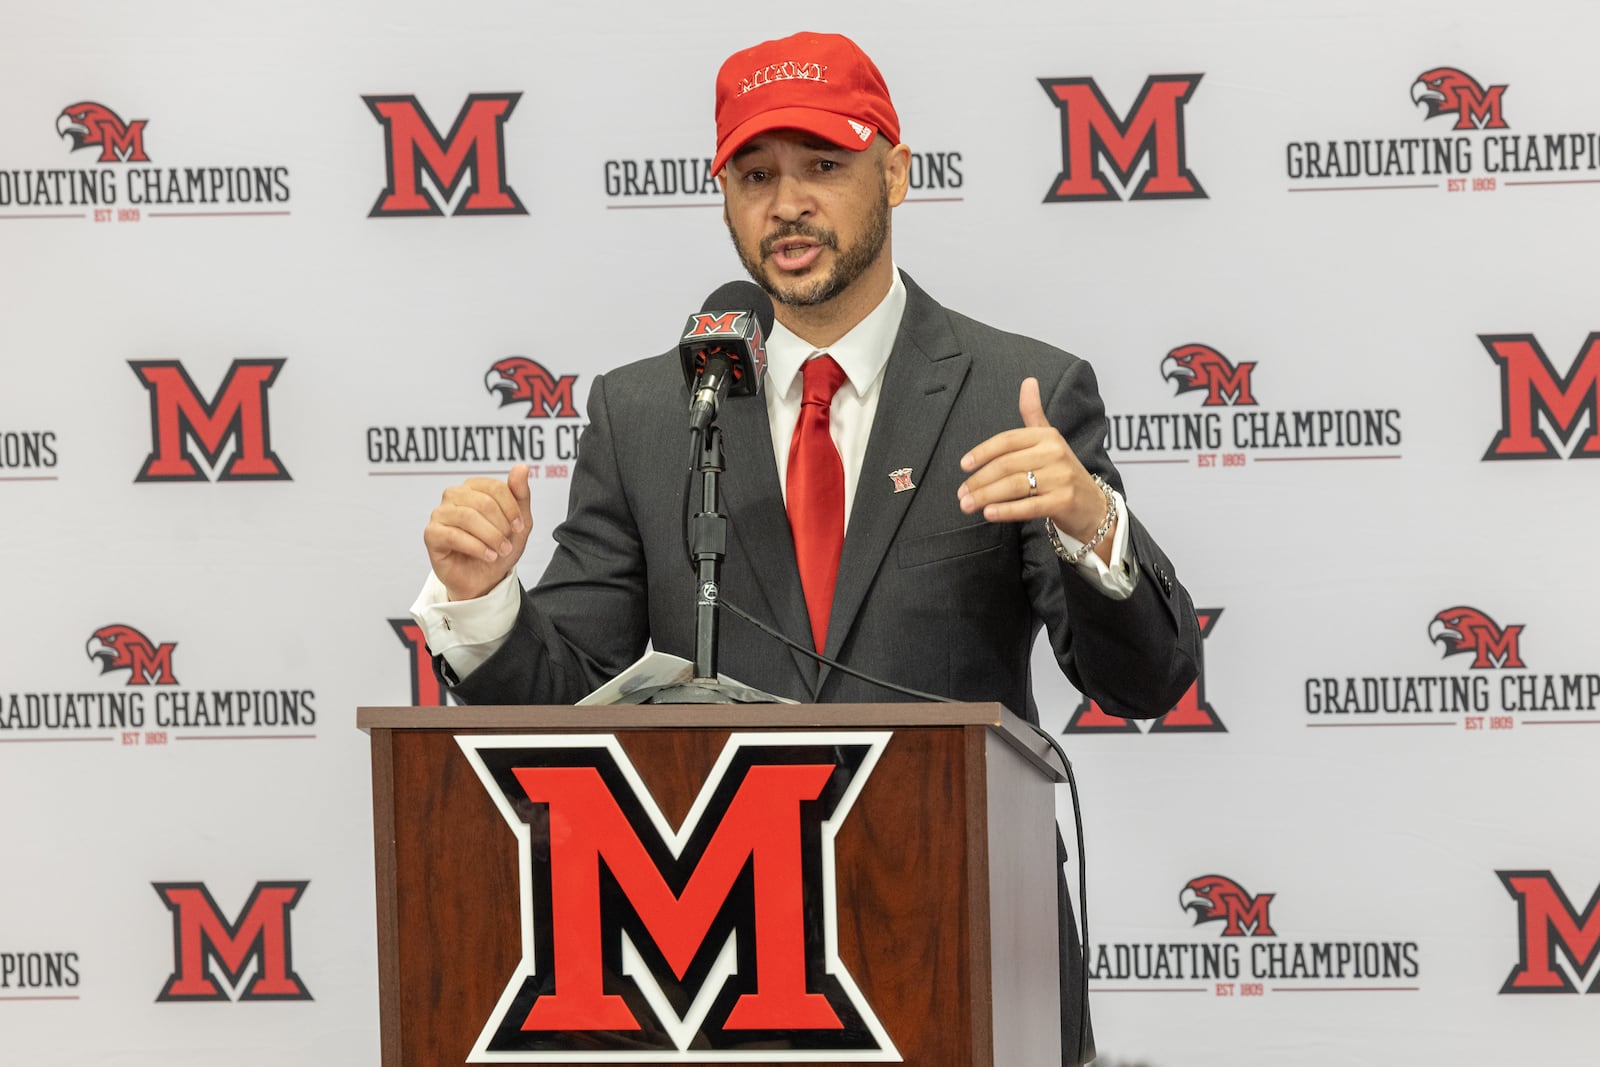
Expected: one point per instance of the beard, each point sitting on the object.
(849, 263)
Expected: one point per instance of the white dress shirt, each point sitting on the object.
(862, 354)
(468, 632)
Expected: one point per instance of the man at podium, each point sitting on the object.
(914, 494)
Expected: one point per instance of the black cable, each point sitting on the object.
(696, 444)
(835, 664)
(1083, 890)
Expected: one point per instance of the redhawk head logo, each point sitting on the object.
(1464, 629)
(94, 125)
(519, 380)
(1203, 367)
(1216, 899)
(1448, 91)
(122, 648)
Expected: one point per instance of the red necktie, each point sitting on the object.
(816, 493)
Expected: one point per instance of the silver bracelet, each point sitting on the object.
(1088, 546)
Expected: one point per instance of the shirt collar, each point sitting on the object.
(861, 353)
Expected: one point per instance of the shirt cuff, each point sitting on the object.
(467, 632)
(1117, 578)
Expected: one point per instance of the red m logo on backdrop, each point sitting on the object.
(1548, 927)
(180, 418)
(1191, 715)
(716, 936)
(1530, 388)
(1094, 138)
(426, 690)
(475, 145)
(203, 938)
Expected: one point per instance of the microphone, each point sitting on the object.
(723, 349)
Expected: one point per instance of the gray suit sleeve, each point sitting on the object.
(1135, 657)
(587, 618)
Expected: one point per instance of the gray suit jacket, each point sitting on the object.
(927, 596)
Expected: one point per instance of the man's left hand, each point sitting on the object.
(998, 485)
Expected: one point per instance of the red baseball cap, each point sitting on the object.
(822, 83)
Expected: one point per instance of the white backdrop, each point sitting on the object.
(1348, 829)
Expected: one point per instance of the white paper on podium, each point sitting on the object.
(661, 668)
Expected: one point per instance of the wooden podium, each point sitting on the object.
(939, 878)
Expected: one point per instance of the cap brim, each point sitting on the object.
(833, 128)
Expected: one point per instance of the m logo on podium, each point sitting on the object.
(719, 936)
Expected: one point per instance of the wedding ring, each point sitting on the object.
(1033, 484)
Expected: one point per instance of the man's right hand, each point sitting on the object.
(477, 533)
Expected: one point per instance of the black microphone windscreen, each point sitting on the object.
(742, 295)
(729, 335)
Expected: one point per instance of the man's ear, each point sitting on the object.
(897, 173)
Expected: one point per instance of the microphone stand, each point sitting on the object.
(708, 544)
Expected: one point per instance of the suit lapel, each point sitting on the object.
(760, 525)
(920, 385)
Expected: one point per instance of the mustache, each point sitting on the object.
(825, 238)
